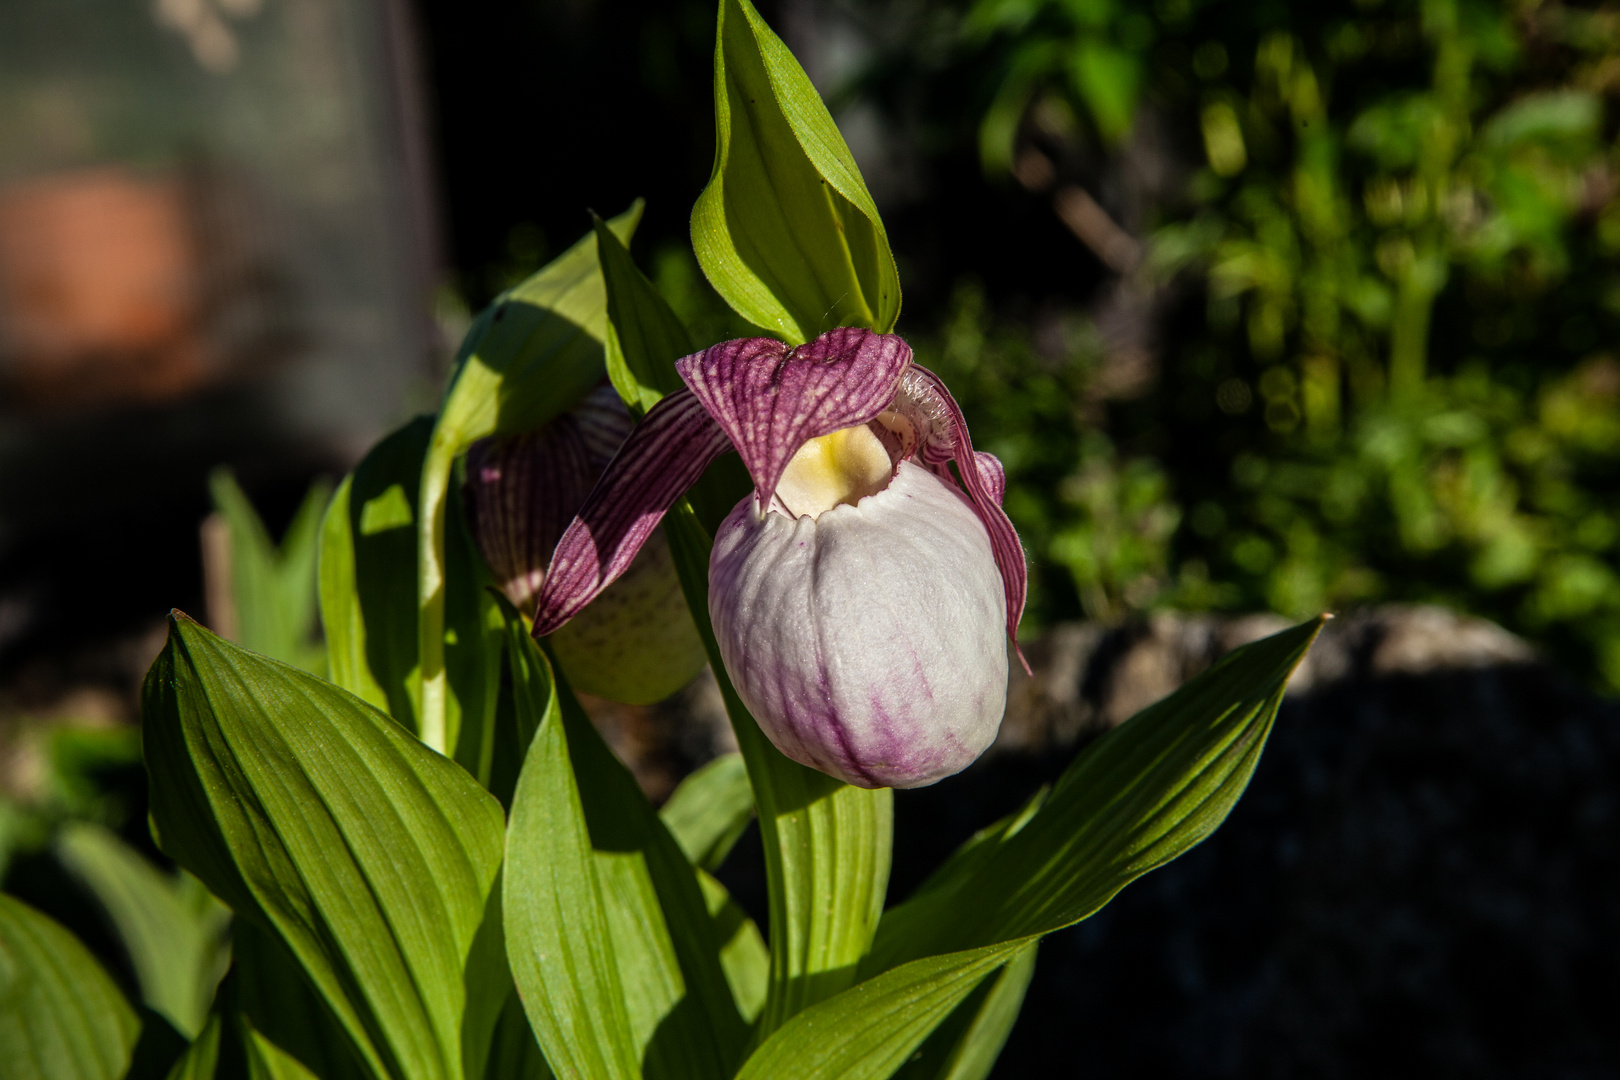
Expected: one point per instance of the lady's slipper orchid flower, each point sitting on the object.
(636, 642)
(861, 596)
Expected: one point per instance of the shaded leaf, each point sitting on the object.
(172, 929)
(786, 230)
(61, 1017)
(369, 856)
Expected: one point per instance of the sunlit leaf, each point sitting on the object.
(369, 856)
(61, 1017)
(786, 230)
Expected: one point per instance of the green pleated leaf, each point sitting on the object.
(273, 588)
(368, 573)
(61, 1017)
(608, 934)
(709, 810)
(644, 335)
(528, 358)
(869, 1030)
(828, 845)
(370, 857)
(1132, 801)
(786, 230)
(172, 929)
(965, 1046)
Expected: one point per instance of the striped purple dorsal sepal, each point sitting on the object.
(771, 400)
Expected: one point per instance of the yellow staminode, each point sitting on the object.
(834, 469)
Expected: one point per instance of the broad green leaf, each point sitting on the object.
(272, 589)
(529, 357)
(827, 844)
(202, 1058)
(644, 335)
(61, 1017)
(965, 1046)
(610, 941)
(368, 599)
(1132, 801)
(709, 810)
(172, 929)
(786, 230)
(369, 856)
(869, 1030)
(368, 574)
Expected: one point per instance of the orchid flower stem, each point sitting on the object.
(827, 844)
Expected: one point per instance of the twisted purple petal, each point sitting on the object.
(942, 437)
(772, 400)
(664, 455)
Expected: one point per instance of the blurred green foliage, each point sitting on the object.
(1389, 280)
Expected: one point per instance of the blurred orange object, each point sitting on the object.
(100, 287)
